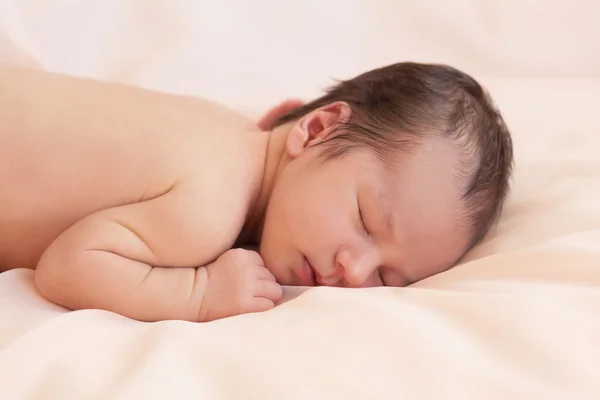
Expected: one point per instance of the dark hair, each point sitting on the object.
(396, 107)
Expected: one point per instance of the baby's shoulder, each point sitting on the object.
(223, 181)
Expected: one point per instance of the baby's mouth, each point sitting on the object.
(308, 274)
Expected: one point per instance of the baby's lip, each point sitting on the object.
(308, 273)
(317, 278)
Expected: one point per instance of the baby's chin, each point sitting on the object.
(279, 263)
(282, 276)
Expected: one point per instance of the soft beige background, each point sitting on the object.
(520, 319)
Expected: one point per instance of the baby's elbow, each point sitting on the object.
(46, 277)
(51, 278)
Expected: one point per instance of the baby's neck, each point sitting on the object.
(274, 158)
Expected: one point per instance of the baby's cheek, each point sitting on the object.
(377, 281)
(374, 280)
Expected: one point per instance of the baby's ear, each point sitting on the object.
(316, 126)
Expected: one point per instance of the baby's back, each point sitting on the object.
(71, 146)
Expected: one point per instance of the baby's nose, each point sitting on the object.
(358, 268)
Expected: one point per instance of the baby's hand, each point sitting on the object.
(238, 283)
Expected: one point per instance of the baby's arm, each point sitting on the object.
(123, 260)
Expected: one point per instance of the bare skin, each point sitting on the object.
(134, 202)
(130, 177)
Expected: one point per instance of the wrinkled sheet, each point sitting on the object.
(519, 318)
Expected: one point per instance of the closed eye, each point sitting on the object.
(362, 220)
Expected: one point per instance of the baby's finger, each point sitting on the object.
(263, 274)
(260, 304)
(270, 290)
(255, 258)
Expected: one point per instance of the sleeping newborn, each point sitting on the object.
(142, 203)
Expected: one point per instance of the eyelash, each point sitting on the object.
(362, 221)
(364, 226)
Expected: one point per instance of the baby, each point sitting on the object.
(141, 203)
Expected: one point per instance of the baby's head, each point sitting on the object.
(389, 178)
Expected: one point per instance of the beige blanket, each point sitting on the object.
(519, 319)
